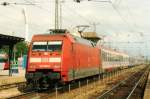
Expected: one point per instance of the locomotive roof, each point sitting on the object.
(58, 31)
(80, 40)
(72, 38)
(83, 41)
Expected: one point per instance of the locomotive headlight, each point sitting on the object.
(56, 66)
(32, 60)
(31, 66)
(46, 53)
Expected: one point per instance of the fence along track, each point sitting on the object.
(126, 88)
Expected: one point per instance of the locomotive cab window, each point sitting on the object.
(39, 46)
(54, 45)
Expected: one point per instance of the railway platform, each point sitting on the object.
(147, 89)
(15, 78)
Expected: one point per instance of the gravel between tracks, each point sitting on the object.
(87, 92)
(9, 92)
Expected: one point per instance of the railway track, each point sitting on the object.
(129, 88)
(53, 93)
(13, 85)
(21, 96)
(44, 94)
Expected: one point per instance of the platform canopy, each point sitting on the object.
(9, 40)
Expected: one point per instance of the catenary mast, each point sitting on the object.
(56, 14)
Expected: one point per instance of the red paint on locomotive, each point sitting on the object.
(74, 60)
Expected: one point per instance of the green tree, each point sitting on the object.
(21, 48)
(4, 49)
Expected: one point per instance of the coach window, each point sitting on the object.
(121, 58)
(103, 55)
(110, 57)
(117, 58)
(107, 56)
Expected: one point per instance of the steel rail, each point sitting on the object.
(117, 85)
(23, 94)
(128, 97)
(8, 86)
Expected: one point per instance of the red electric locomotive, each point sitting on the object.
(61, 57)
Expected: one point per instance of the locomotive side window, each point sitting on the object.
(39, 46)
(54, 45)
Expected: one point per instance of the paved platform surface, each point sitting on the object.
(147, 89)
(15, 78)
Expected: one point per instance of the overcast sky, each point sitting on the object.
(123, 23)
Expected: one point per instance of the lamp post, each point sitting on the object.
(26, 33)
(26, 24)
(24, 14)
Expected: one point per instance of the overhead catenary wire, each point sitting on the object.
(134, 25)
(131, 16)
(32, 3)
(81, 17)
(78, 14)
(122, 17)
(65, 9)
(117, 3)
(38, 6)
(99, 0)
(128, 10)
(57, 12)
(15, 21)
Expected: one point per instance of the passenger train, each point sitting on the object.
(63, 58)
